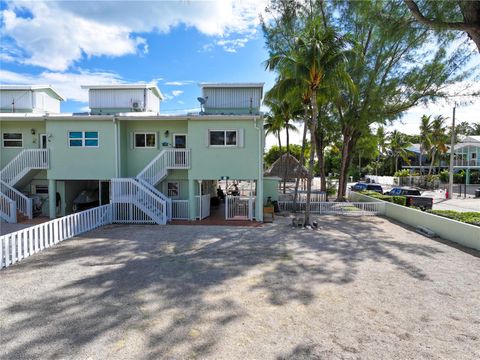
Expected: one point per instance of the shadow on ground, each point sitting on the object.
(171, 291)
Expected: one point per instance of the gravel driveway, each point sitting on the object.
(357, 288)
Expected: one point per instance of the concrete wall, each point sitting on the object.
(270, 188)
(456, 231)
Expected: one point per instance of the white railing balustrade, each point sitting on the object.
(142, 205)
(239, 208)
(161, 195)
(20, 165)
(22, 202)
(302, 197)
(158, 168)
(8, 209)
(338, 208)
(202, 206)
(21, 244)
(180, 210)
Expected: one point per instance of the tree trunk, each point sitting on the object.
(320, 147)
(288, 156)
(302, 158)
(396, 163)
(311, 163)
(342, 181)
(431, 164)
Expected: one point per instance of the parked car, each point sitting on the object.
(364, 186)
(413, 197)
(399, 191)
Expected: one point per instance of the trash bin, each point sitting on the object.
(477, 193)
(275, 206)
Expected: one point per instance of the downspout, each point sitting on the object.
(117, 160)
(259, 216)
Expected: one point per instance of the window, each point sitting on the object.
(145, 140)
(173, 190)
(474, 156)
(83, 138)
(223, 137)
(41, 189)
(12, 140)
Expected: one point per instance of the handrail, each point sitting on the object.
(160, 195)
(157, 169)
(128, 190)
(20, 165)
(23, 203)
(8, 209)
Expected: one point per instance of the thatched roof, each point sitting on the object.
(292, 165)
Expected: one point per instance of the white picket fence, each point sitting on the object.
(180, 210)
(21, 244)
(202, 206)
(338, 208)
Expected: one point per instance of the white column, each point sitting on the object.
(200, 199)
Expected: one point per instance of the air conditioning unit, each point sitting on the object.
(137, 106)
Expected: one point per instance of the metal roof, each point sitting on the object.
(32, 88)
(231, 85)
(152, 87)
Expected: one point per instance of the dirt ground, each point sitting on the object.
(357, 288)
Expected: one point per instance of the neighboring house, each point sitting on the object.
(153, 167)
(465, 156)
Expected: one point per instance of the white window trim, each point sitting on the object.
(178, 189)
(12, 147)
(83, 139)
(145, 133)
(224, 146)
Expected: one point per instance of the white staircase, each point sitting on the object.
(26, 161)
(136, 200)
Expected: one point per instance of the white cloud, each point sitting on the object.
(179, 83)
(177, 92)
(58, 33)
(68, 84)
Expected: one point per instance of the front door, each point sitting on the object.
(180, 141)
(43, 141)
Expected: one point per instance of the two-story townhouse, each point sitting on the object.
(150, 165)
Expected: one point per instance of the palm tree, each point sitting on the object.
(316, 59)
(398, 145)
(286, 111)
(381, 145)
(439, 139)
(273, 125)
(425, 138)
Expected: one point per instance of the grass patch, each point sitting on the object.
(400, 200)
(470, 217)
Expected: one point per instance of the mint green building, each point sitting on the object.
(154, 168)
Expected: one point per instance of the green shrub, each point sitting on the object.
(400, 200)
(444, 176)
(470, 217)
(402, 173)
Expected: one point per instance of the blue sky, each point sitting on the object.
(177, 44)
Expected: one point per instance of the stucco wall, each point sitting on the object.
(70, 163)
(456, 231)
(29, 141)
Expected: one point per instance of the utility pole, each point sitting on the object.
(452, 148)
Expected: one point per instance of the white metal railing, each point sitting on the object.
(338, 208)
(158, 168)
(302, 197)
(22, 202)
(20, 165)
(202, 206)
(8, 209)
(465, 162)
(239, 208)
(21, 244)
(180, 209)
(141, 205)
(161, 195)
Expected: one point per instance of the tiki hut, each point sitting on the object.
(287, 168)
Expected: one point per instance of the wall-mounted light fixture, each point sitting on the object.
(33, 131)
(166, 133)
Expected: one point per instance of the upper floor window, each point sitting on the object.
(146, 140)
(222, 137)
(83, 138)
(12, 140)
